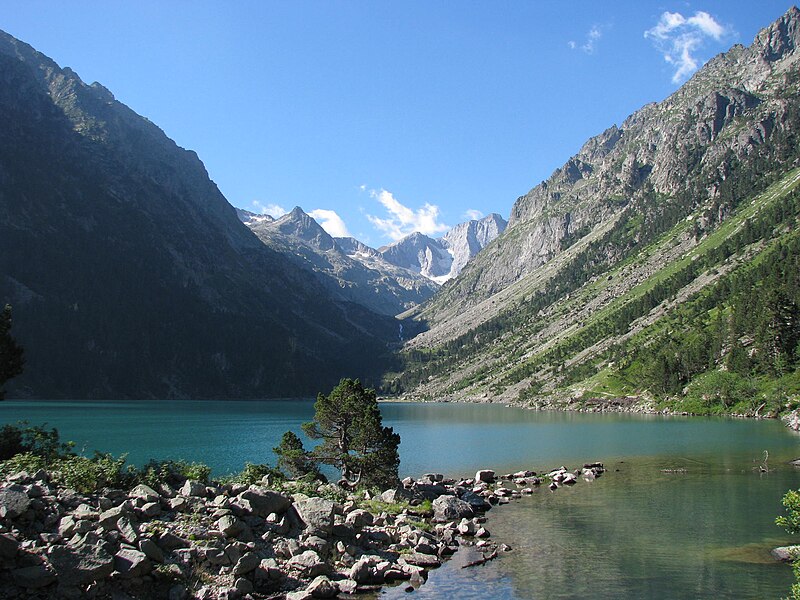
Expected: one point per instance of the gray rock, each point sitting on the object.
(247, 563)
(108, 519)
(418, 559)
(359, 518)
(33, 577)
(364, 571)
(308, 564)
(265, 502)
(485, 475)
(129, 530)
(317, 515)
(786, 553)
(450, 508)
(243, 585)
(13, 501)
(477, 502)
(193, 488)
(151, 550)
(230, 526)
(144, 492)
(9, 546)
(322, 587)
(81, 565)
(131, 563)
(397, 495)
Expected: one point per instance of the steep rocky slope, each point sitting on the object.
(131, 275)
(613, 242)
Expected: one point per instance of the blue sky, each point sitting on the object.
(383, 117)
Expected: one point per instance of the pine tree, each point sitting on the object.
(354, 440)
(11, 354)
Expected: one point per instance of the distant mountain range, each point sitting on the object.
(389, 280)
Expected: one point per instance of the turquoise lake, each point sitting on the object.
(683, 511)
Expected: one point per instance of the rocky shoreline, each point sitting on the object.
(233, 541)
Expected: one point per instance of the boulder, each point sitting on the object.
(365, 571)
(450, 508)
(396, 495)
(128, 530)
(418, 559)
(786, 553)
(13, 501)
(230, 526)
(358, 518)
(151, 550)
(485, 475)
(33, 577)
(169, 541)
(246, 564)
(477, 502)
(317, 515)
(81, 565)
(144, 492)
(322, 587)
(108, 519)
(9, 546)
(265, 502)
(131, 563)
(308, 564)
(193, 488)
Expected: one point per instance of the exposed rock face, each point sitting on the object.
(345, 266)
(444, 258)
(111, 232)
(733, 106)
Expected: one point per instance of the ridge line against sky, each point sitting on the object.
(381, 119)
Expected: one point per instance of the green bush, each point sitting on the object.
(254, 473)
(172, 472)
(87, 475)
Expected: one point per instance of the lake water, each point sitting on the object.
(703, 530)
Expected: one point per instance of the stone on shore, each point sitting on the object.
(13, 502)
(786, 553)
(317, 515)
(450, 508)
(485, 475)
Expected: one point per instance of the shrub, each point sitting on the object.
(172, 472)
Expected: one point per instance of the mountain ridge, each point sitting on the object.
(640, 195)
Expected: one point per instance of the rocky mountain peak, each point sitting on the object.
(781, 38)
(300, 225)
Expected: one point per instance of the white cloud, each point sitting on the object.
(473, 214)
(678, 39)
(330, 222)
(273, 210)
(594, 35)
(402, 221)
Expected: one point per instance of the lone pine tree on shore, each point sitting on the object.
(353, 439)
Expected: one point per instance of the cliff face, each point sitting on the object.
(131, 275)
(738, 106)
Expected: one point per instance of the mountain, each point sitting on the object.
(636, 251)
(443, 258)
(344, 266)
(129, 273)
